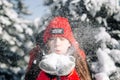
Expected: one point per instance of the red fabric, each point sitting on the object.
(72, 76)
(33, 53)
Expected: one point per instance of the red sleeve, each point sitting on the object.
(32, 54)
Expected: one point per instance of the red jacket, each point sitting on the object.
(72, 76)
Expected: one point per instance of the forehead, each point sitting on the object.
(62, 39)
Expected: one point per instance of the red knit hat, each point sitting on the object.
(59, 26)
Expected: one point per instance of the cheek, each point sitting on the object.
(51, 46)
(66, 46)
(50, 43)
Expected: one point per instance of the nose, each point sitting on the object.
(57, 42)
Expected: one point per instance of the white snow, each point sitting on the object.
(18, 27)
(27, 59)
(28, 43)
(75, 1)
(0, 2)
(57, 64)
(107, 65)
(6, 36)
(29, 31)
(117, 16)
(21, 36)
(101, 76)
(1, 30)
(14, 48)
(5, 20)
(83, 17)
(103, 36)
(2, 65)
(114, 42)
(93, 6)
(37, 22)
(99, 19)
(64, 1)
(11, 13)
(115, 54)
(95, 67)
(6, 3)
(16, 69)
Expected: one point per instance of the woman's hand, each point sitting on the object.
(56, 64)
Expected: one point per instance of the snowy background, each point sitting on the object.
(95, 23)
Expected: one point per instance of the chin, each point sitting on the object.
(58, 52)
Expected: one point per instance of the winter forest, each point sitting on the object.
(95, 23)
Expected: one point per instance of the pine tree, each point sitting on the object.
(16, 39)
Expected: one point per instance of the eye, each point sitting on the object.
(51, 39)
(62, 39)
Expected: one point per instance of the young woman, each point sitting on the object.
(62, 58)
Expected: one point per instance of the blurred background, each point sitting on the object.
(95, 23)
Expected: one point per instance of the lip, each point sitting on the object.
(57, 51)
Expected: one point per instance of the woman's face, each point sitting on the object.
(58, 45)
